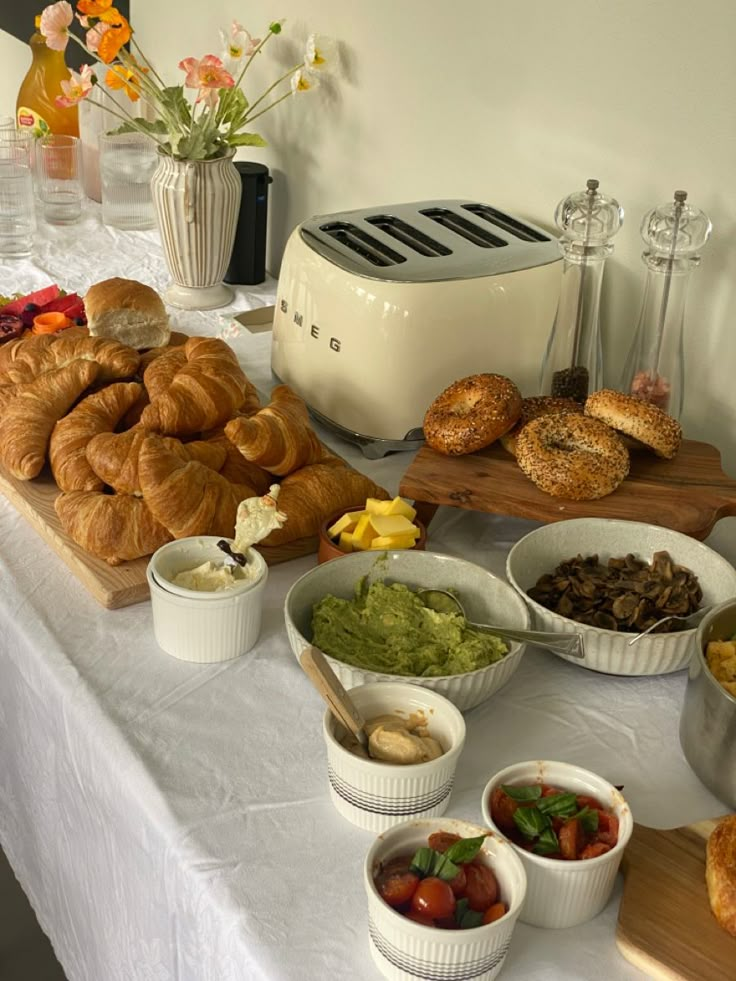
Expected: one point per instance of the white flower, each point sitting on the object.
(303, 80)
(238, 44)
(320, 52)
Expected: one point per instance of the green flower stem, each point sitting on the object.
(125, 118)
(278, 81)
(251, 56)
(286, 95)
(148, 64)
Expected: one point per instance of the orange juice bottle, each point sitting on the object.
(36, 110)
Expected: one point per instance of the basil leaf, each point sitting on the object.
(547, 843)
(423, 862)
(523, 793)
(461, 908)
(444, 868)
(464, 850)
(558, 805)
(530, 821)
(471, 919)
(588, 819)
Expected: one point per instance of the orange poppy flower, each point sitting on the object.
(93, 8)
(124, 78)
(115, 37)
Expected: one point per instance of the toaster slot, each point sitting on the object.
(362, 243)
(466, 229)
(408, 235)
(506, 223)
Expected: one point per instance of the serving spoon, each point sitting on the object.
(324, 679)
(443, 601)
(692, 619)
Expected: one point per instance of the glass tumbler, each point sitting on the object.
(127, 163)
(59, 166)
(17, 214)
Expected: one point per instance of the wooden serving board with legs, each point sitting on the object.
(688, 494)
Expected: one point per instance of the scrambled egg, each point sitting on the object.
(721, 657)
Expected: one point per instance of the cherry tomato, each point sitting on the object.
(591, 802)
(502, 810)
(481, 889)
(571, 838)
(607, 828)
(594, 850)
(441, 841)
(548, 791)
(459, 883)
(494, 912)
(434, 898)
(448, 923)
(397, 888)
(419, 918)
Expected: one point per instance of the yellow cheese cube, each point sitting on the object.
(374, 506)
(346, 523)
(392, 524)
(399, 506)
(393, 541)
(346, 541)
(363, 533)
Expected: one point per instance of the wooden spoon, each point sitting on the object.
(324, 679)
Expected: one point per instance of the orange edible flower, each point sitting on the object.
(119, 77)
(93, 8)
(113, 39)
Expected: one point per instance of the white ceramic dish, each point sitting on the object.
(563, 893)
(203, 626)
(607, 651)
(407, 951)
(485, 597)
(376, 795)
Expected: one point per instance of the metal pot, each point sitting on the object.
(708, 720)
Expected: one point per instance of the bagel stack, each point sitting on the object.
(471, 414)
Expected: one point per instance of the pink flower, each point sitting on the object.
(78, 87)
(94, 35)
(54, 25)
(207, 75)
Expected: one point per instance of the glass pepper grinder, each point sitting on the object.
(654, 371)
(572, 363)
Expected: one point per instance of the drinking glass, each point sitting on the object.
(58, 159)
(7, 122)
(17, 217)
(127, 163)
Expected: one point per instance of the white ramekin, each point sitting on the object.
(376, 795)
(562, 893)
(406, 951)
(203, 626)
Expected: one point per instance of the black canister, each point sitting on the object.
(248, 261)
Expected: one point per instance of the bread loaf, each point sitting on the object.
(720, 873)
(127, 311)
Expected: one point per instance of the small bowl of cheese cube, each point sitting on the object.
(379, 526)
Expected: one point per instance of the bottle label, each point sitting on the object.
(30, 121)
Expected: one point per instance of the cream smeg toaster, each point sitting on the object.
(379, 310)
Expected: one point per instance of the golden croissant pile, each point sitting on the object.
(161, 445)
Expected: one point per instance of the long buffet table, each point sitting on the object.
(172, 820)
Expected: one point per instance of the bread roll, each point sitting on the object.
(128, 311)
(720, 872)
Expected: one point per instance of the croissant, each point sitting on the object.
(188, 498)
(159, 372)
(310, 495)
(204, 393)
(29, 416)
(279, 437)
(114, 457)
(98, 413)
(32, 342)
(114, 527)
(36, 355)
(238, 470)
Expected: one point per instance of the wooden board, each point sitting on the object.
(665, 926)
(113, 586)
(688, 494)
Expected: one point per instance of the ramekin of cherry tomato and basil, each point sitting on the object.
(443, 896)
(569, 827)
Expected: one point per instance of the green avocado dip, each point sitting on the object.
(387, 628)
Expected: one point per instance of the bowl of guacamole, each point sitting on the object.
(365, 615)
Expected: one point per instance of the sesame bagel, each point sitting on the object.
(472, 413)
(640, 420)
(533, 408)
(572, 456)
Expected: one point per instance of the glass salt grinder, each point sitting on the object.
(654, 371)
(572, 362)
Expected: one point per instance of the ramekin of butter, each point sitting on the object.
(205, 608)
(376, 794)
(378, 525)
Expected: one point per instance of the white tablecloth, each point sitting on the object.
(171, 821)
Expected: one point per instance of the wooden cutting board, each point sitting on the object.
(688, 494)
(113, 586)
(665, 926)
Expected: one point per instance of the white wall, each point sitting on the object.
(15, 58)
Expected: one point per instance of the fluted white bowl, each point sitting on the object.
(407, 951)
(563, 893)
(608, 651)
(486, 599)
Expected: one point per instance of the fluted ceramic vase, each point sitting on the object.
(197, 203)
